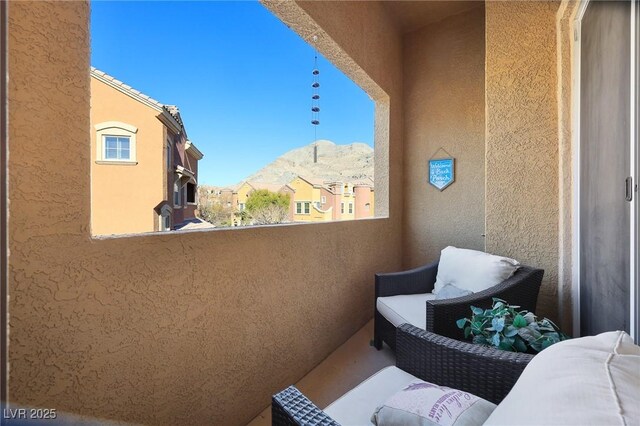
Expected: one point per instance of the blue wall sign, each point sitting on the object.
(441, 172)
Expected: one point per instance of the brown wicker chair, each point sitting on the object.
(483, 371)
(521, 289)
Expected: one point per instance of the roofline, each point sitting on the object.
(315, 185)
(193, 150)
(126, 89)
(165, 116)
(168, 120)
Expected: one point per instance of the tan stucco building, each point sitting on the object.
(144, 169)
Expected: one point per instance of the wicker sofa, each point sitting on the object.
(588, 380)
(520, 289)
(485, 372)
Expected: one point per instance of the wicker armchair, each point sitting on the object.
(486, 372)
(521, 289)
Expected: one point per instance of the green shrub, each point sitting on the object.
(506, 328)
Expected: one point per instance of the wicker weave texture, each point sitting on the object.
(290, 408)
(483, 371)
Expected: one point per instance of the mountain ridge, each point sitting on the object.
(351, 162)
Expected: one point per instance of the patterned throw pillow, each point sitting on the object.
(450, 291)
(426, 404)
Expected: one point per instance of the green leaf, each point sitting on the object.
(461, 322)
(536, 346)
(519, 345)
(530, 317)
(498, 324)
(510, 331)
(467, 332)
(546, 343)
(495, 340)
(476, 310)
(505, 346)
(519, 321)
(529, 334)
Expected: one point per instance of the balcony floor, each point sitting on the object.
(342, 370)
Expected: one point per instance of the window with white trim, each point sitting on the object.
(341, 207)
(176, 193)
(303, 207)
(165, 218)
(116, 142)
(323, 199)
(350, 208)
(117, 148)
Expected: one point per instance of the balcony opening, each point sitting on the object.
(252, 107)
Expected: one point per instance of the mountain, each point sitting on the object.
(352, 162)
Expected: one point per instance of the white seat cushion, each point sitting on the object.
(356, 406)
(587, 381)
(409, 308)
(472, 270)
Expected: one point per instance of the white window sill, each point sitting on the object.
(117, 162)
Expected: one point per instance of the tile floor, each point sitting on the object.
(344, 369)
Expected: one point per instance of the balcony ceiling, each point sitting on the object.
(412, 15)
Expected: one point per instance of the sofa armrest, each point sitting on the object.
(290, 407)
(521, 289)
(483, 371)
(413, 281)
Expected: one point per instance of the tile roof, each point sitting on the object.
(136, 94)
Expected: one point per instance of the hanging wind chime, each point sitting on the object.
(315, 101)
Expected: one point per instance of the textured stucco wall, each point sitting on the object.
(522, 201)
(444, 107)
(197, 327)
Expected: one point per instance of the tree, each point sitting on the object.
(267, 207)
(214, 208)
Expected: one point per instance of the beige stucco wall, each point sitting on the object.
(123, 196)
(444, 107)
(173, 328)
(522, 177)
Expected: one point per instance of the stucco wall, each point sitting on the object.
(197, 327)
(444, 107)
(522, 201)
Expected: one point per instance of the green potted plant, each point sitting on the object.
(506, 328)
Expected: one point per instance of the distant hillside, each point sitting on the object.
(335, 162)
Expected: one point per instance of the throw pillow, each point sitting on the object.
(425, 404)
(450, 291)
(472, 270)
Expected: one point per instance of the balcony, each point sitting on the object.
(203, 327)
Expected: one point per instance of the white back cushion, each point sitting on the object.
(587, 381)
(472, 270)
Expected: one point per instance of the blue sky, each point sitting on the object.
(241, 78)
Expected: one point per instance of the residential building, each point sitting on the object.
(308, 201)
(242, 192)
(144, 169)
